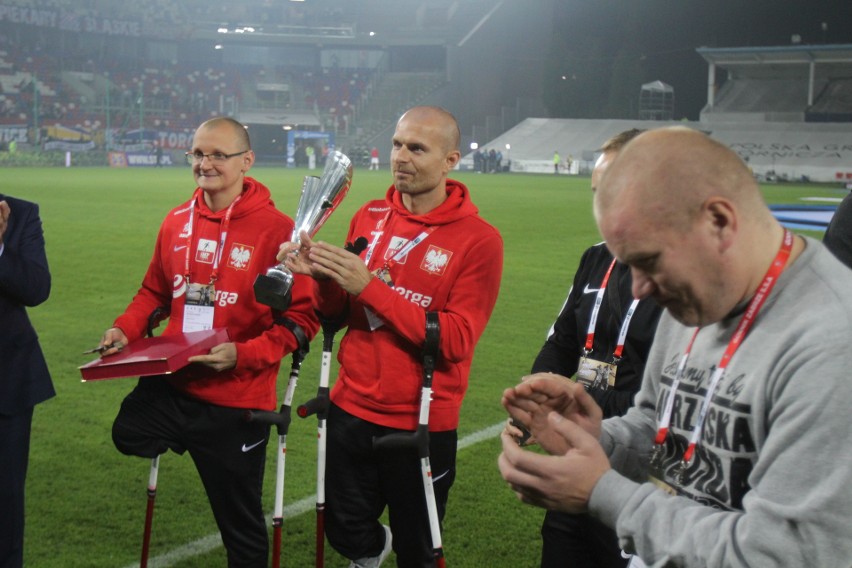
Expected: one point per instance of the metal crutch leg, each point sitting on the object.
(420, 437)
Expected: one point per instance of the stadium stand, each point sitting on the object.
(774, 150)
(158, 49)
(91, 64)
(71, 66)
(786, 110)
(799, 83)
(834, 103)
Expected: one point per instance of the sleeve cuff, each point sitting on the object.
(609, 496)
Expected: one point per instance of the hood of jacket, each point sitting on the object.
(255, 196)
(456, 206)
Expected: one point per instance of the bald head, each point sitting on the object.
(669, 173)
(440, 120)
(239, 131)
(686, 214)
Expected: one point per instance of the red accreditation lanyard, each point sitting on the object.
(400, 254)
(622, 334)
(223, 235)
(742, 329)
(593, 319)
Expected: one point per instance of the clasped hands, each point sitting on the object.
(566, 422)
(323, 261)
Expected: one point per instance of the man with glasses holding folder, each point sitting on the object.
(208, 252)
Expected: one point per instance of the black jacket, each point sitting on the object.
(838, 235)
(24, 281)
(563, 349)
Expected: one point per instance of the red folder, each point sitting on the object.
(154, 355)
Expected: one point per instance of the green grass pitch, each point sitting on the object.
(86, 502)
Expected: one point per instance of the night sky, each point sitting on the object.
(648, 40)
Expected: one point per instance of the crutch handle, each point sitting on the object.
(156, 316)
(280, 419)
(318, 405)
(418, 439)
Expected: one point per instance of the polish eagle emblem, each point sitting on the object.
(240, 257)
(436, 259)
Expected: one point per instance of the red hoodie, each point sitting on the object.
(455, 271)
(255, 231)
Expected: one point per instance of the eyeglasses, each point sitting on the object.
(215, 157)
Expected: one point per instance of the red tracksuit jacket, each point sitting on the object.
(455, 271)
(255, 231)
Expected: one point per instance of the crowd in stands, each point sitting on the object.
(165, 18)
(173, 95)
(64, 80)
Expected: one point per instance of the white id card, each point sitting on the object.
(197, 318)
(198, 308)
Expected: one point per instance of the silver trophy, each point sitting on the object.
(320, 197)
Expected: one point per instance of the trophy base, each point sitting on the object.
(272, 292)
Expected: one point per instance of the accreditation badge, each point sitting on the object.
(383, 274)
(594, 374)
(198, 307)
(373, 320)
(662, 485)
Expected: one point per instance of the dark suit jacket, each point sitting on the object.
(24, 281)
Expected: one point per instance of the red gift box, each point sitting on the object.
(154, 355)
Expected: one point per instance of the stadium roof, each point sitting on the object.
(781, 60)
(373, 23)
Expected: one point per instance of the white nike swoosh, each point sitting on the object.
(434, 479)
(256, 444)
(588, 290)
(177, 248)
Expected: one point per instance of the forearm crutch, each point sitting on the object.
(281, 420)
(319, 406)
(420, 437)
(149, 511)
(154, 320)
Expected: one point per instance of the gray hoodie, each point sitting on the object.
(771, 481)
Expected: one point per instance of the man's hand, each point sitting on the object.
(4, 219)
(538, 395)
(556, 482)
(221, 357)
(114, 340)
(337, 263)
(295, 255)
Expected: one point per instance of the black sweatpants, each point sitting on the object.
(229, 454)
(360, 482)
(14, 456)
(578, 541)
